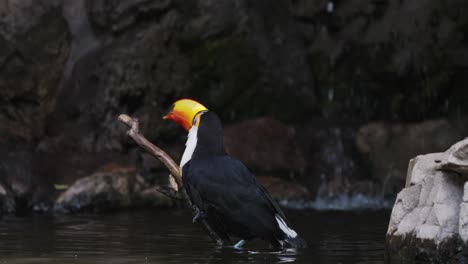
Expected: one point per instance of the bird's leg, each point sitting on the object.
(198, 215)
(239, 244)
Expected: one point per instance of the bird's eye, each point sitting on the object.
(195, 121)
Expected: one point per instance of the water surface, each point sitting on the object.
(170, 237)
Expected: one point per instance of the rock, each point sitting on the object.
(7, 202)
(429, 218)
(463, 224)
(265, 145)
(423, 165)
(153, 198)
(457, 158)
(108, 189)
(387, 147)
(281, 189)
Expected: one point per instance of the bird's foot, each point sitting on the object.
(199, 214)
(239, 244)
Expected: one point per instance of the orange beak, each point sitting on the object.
(180, 118)
(184, 111)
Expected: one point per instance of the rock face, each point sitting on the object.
(69, 67)
(379, 48)
(429, 218)
(34, 46)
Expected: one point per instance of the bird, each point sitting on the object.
(222, 189)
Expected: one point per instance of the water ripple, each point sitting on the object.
(170, 237)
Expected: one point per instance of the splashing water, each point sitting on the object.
(342, 202)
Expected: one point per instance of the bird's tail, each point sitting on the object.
(291, 238)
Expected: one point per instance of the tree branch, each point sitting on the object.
(134, 133)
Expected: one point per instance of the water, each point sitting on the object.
(169, 237)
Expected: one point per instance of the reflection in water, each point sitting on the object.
(169, 237)
(231, 255)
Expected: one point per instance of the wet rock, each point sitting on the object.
(388, 146)
(281, 189)
(265, 145)
(428, 220)
(111, 188)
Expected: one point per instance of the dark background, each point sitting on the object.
(328, 103)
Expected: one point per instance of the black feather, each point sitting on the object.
(234, 203)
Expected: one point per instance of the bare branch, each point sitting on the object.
(161, 155)
(158, 153)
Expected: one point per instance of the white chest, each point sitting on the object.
(190, 146)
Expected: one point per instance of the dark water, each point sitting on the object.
(169, 237)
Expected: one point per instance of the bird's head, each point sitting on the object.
(186, 112)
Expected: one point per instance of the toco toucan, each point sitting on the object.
(223, 190)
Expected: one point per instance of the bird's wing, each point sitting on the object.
(227, 186)
(261, 191)
(191, 192)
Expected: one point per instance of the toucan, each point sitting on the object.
(221, 188)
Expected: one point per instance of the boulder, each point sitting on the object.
(106, 190)
(284, 190)
(265, 145)
(387, 147)
(429, 217)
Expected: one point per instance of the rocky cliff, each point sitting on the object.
(69, 67)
